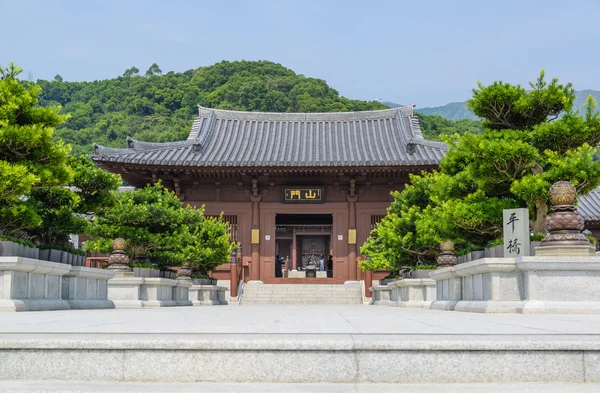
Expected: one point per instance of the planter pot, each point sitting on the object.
(44, 255)
(420, 273)
(82, 260)
(475, 255)
(20, 250)
(34, 253)
(55, 256)
(204, 281)
(146, 272)
(7, 248)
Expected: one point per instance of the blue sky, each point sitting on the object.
(423, 52)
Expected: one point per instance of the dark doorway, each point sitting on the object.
(306, 240)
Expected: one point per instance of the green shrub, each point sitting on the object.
(425, 267)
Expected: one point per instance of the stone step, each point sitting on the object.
(294, 288)
(300, 301)
(303, 294)
(32, 386)
(328, 358)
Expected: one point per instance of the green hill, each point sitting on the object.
(157, 107)
(160, 107)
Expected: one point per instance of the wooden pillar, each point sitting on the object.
(294, 245)
(233, 275)
(352, 276)
(255, 197)
(352, 197)
(368, 283)
(255, 263)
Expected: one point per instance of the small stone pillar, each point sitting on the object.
(118, 259)
(446, 257)
(564, 225)
(233, 275)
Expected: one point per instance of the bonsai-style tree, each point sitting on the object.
(67, 210)
(207, 245)
(29, 158)
(150, 218)
(531, 139)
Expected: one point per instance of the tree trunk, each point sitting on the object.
(541, 208)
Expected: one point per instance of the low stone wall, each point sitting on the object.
(136, 292)
(380, 295)
(539, 284)
(87, 288)
(207, 295)
(448, 288)
(490, 285)
(562, 285)
(416, 292)
(31, 285)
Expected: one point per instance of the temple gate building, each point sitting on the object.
(301, 186)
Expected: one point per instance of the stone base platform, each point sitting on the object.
(126, 291)
(216, 387)
(336, 344)
(207, 295)
(344, 358)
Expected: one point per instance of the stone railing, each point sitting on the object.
(137, 292)
(411, 292)
(35, 285)
(380, 295)
(207, 295)
(539, 284)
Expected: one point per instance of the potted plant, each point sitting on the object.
(393, 276)
(203, 279)
(421, 271)
(145, 270)
(8, 246)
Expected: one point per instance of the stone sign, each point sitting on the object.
(516, 233)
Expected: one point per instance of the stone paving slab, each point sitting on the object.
(296, 319)
(334, 344)
(121, 387)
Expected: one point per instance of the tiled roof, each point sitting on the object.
(589, 205)
(222, 138)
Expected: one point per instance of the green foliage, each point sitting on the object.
(504, 106)
(149, 218)
(144, 265)
(208, 245)
(524, 148)
(65, 210)
(160, 107)
(153, 219)
(29, 158)
(425, 267)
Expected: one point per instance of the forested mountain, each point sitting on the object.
(459, 110)
(159, 107)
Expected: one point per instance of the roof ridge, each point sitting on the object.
(374, 111)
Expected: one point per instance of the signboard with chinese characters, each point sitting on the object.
(303, 195)
(516, 233)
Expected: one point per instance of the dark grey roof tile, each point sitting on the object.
(232, 138)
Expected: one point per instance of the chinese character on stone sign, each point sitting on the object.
(513, 218)
(515, 223)
(514, 247)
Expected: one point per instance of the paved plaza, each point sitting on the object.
(297, 320)
(339, 348)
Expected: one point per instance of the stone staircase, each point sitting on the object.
(349, 293)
